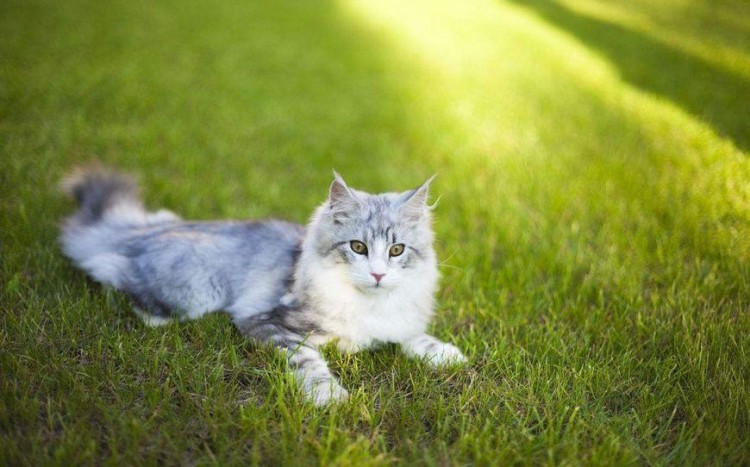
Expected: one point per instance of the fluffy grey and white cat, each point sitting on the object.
(361, 273)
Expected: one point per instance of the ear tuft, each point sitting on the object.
(414, 206)
(341, 199)
(339, 191)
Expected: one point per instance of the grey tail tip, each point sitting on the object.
(96, 187)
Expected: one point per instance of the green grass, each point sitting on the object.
(594, 225)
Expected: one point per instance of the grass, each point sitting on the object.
(593, 225)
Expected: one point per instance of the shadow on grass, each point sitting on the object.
(718, 97)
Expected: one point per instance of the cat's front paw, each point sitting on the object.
(433, 351)
(445, 355)
(326, 393)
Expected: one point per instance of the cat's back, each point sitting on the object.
(206, 266)
(215, 236)
(229, 249)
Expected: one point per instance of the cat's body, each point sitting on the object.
(363, 271)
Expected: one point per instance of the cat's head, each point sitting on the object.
(380, 241)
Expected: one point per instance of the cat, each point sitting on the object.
(361, 273)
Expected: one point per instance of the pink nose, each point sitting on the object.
(377, 277)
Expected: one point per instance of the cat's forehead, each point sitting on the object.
(379, 209)
(378, 215)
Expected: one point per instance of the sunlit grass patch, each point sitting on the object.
(592, 226)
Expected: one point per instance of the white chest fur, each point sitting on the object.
(360, 319)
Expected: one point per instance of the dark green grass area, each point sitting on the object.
(593, 225)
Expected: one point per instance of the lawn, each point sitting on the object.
(593, 225)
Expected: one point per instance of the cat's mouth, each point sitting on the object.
(372, 287)
(378, 287)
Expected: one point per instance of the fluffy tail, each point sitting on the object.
(110, 211)
(98, 189)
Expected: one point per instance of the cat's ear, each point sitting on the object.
(414, 205)
(341, 199)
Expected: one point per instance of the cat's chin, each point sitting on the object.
(371, 289)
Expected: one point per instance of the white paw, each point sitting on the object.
(161, 216)
(445, 355)
(151, 320)
(325, 393)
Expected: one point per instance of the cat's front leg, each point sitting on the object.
(314, 377)
(433, 351)
(310, 369)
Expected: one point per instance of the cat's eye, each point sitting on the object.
(358, 247)
(396, 250)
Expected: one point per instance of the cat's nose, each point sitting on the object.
(377, 277)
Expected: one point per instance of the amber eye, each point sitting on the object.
(358, 247)
(396, 250)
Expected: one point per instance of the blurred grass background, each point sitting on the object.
(593, 224)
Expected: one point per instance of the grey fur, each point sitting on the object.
(172, 267)
(96, 189)
(267, 274)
